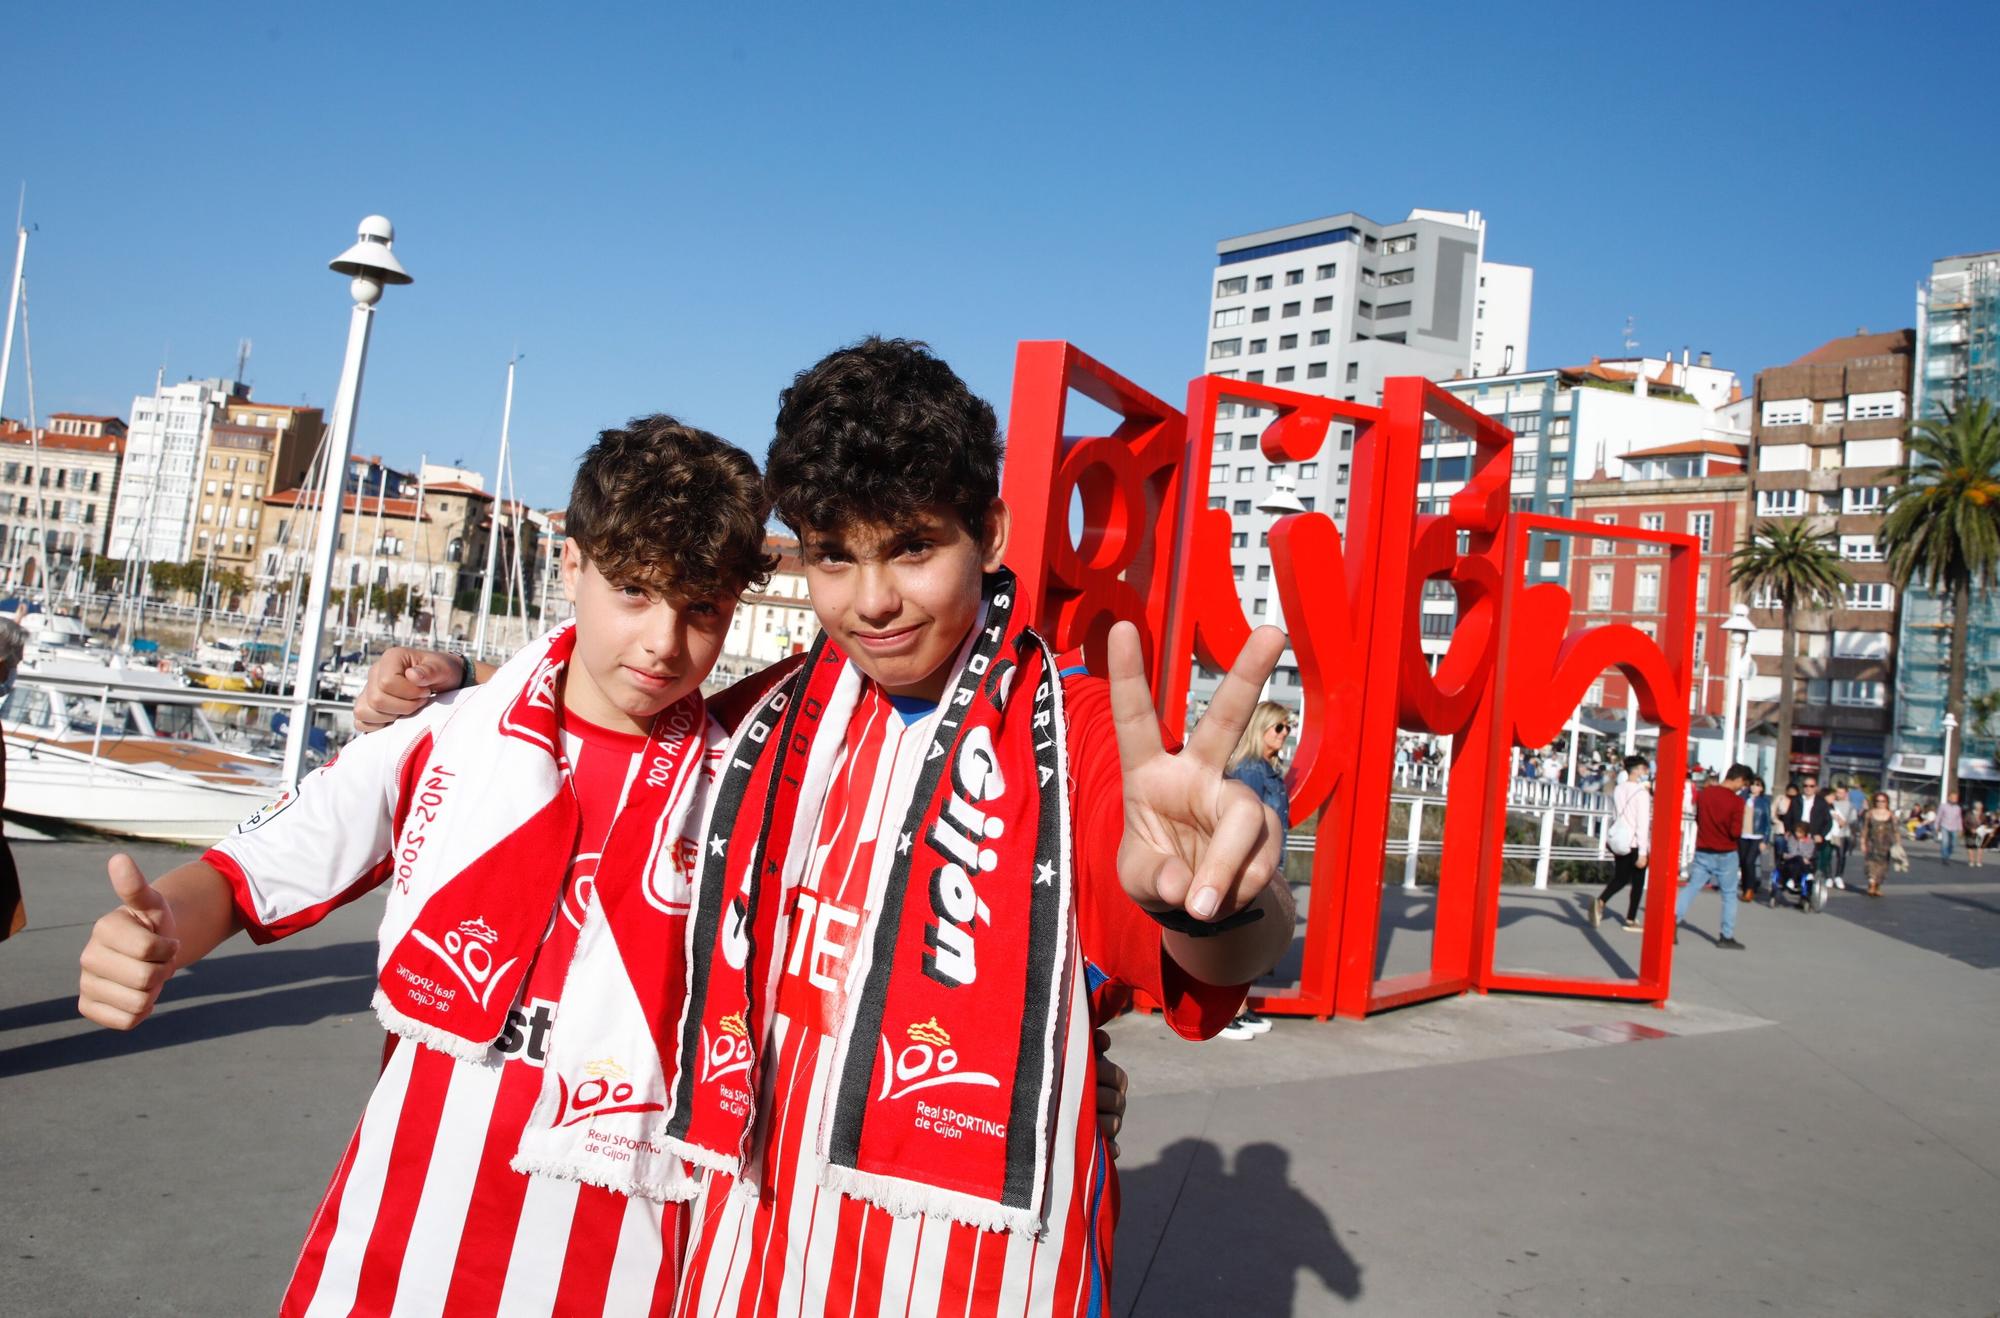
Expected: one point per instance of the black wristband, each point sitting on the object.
(1182, 923)
(471, 677)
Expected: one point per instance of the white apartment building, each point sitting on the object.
(776, 621)
(164, 446)
(1334, 307)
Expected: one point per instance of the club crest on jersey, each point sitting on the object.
(727, 1051)
(468, 952)
(956, 908)
(604, 1090)
(270, 810)
(926, 1062)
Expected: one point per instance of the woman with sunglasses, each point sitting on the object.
(1878, 841)
(1256, 763)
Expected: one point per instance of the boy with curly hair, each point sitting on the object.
(936, 858)
(537, 837)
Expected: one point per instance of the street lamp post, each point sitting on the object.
(1740, 629)
(371, 266)
(1947, 774)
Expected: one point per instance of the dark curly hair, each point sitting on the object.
(878, 432)
(665, 505)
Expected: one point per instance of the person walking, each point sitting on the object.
(1978, 828)
(1826, 856)
(13, 911)
(1950, 823)
(1756, 828)
(1718, 826)
(1629, 837)
(1257, 764)
(1879, 841)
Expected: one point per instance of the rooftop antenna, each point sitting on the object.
(242, 358)
(1631, 326)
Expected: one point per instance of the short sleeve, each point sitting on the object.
(1122, 947)
(318, 846)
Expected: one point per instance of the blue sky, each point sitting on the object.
(676, 209)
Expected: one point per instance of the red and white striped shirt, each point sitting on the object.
(794, 1248)
(424, 1215)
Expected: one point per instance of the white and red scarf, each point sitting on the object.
(488, 839)
(959, 990)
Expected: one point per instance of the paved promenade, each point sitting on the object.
(1819, 1133)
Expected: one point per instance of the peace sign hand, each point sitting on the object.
(1194, 839)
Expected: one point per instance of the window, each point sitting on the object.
(1872, 596)
(1246, 441)
(1600, 588)
(1702, 527)
(1860, 549)
(1558, 469)
(1833, 411)
(1286, 342)
(1285, 374)
(1273, 471)
(1391, 278)
(1788, 412)
(1601, 546)
(1652, 522)
(1218, 474)
(1239, 540)
(1232, 287)
(1365, 310)
(1322, 304)
(1863, 499)
(1231, 316)
(1781, 503)
(1245, 474)
(1324, 272)
(1320, 338)
(1258, 315)
(1257, 608)
(1646, 592)
(1701, 589)
(1784, 457)
(1404, 243)
(1263, 283)
(1874, 407)
(1309, 502)
(1294, 277)
(1241, 508)
(1225, 348)
(1861, 645)
(1263, 572)
(1353, 372)
(1873, 453)
(1869, 694)
(1308, 470)
(1316, 371)
(1290, 309)
(1237, 571)
(1222, 443)
(1388, 309)
(1525, 463)
(1257, 345)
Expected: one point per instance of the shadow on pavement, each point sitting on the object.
(1197, 1237)
(237, 973)
(297, 988)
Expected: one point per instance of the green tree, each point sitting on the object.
(1801, 568)
(1942, 527)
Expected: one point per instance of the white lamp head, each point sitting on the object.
(370, 262)
(1282, 501)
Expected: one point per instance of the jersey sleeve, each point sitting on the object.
(322, 844)
(1122, 946)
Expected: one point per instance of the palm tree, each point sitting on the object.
(1802, 569)
(1942, 527)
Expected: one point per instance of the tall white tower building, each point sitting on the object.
(1333, 307)
(154, 515)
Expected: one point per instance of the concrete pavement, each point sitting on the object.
(1816, 1134)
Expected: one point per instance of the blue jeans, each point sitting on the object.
(1721, 869)
(1945, 838)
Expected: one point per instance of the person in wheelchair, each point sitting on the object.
(1795, 866)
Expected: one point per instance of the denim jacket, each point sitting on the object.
(1756, 816)
(1258, 775)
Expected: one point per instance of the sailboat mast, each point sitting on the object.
(35, 446)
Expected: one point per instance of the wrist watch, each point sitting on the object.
(471, 677)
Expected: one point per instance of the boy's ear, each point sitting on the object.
(572, 569)
(993, 540)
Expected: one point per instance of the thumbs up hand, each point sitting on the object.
(131, 953)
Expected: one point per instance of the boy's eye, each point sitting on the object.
(914, 548)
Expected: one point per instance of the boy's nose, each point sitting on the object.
(876, 597)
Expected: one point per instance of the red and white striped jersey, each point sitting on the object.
(424, 1214)
(794, 1248)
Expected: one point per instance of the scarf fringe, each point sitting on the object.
(900, 1197)
(680, 1190)
(431, 1036)
(713, 1160)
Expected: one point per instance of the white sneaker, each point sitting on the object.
(1237, 1029)
(1840, 883)
(1257, 1023)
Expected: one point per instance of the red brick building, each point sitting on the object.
(1698, 487)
